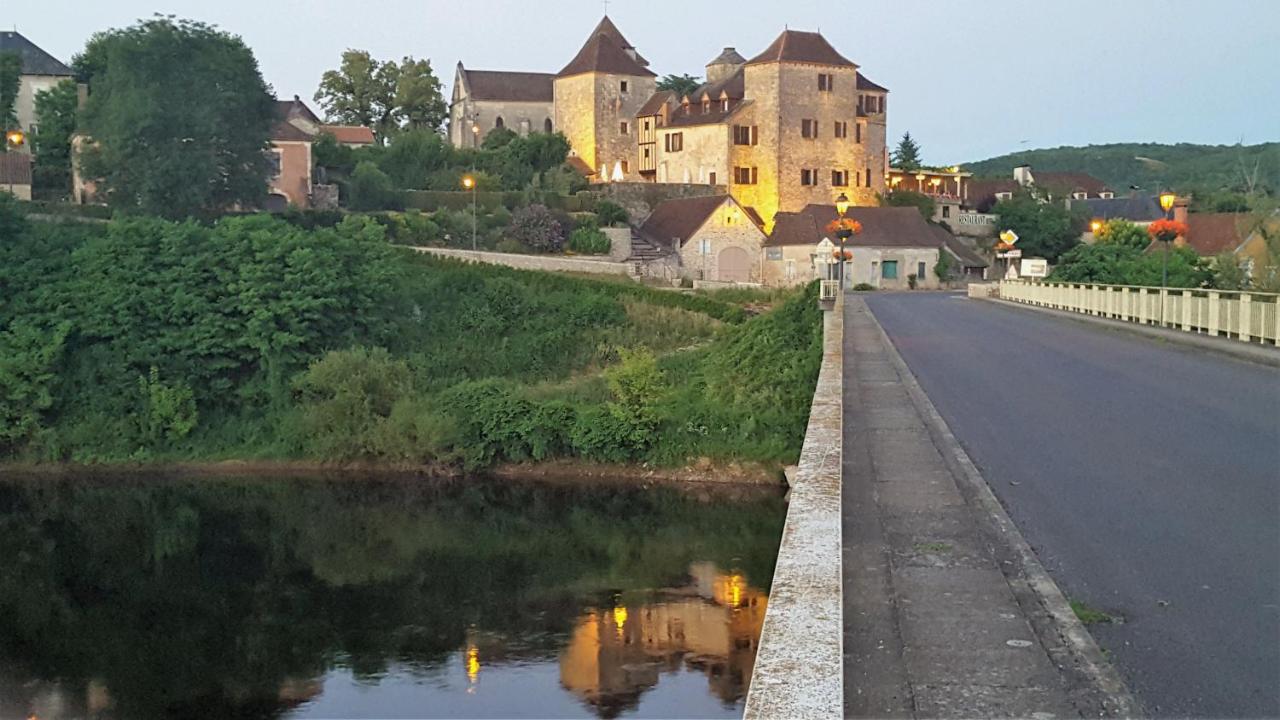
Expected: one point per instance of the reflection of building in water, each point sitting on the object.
(713, 625)
(52, 699)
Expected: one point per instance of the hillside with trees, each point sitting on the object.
(1188, 168)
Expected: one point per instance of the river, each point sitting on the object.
(152, 597)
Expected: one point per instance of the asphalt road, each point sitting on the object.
(1145, 475)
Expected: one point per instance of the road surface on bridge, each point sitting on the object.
(1145, 475)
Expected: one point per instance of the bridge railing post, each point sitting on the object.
(1244, 318)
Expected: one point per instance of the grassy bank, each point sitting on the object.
(147, 341)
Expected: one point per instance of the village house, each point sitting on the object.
(714, 236)
(1213, 234)
(40, 71)
(487, 100)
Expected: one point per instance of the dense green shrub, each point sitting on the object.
(610, 213)
(589, 241)
(372, 189)
(537, 228)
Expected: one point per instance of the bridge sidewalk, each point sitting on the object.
(933, 627)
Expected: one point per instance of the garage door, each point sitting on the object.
(734, 265)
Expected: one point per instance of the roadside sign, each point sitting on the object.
(1009, 237)
(1012, 254)
(1034, 267)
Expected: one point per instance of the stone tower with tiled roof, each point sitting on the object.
(814, 138)
(597, 95)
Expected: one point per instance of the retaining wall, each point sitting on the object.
(603, 266)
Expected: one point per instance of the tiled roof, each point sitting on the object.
(605, 52)
(733, 87)
(607, 27)
(678, 219)
(865, 84)
(510, 86)
(881, 227)
(34, 60)
(1069, 182)
(965, 255)
(695, 116)
(580, 165)
(285, 131)
(982, 192)
(728, 56)
(654, 104)
(349, 134)
(801, 47)
(1210, 234)
(1135, 208)
(15, 168)
(295, 108)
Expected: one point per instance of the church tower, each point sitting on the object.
(597, 96)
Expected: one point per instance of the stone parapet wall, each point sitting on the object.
(640, 198)
(552, 263)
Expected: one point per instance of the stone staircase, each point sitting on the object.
(644, 251)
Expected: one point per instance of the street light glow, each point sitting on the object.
(1166, 200)
(842, 204)
(468, 182)
(15, 137)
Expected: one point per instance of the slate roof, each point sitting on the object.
(965, 255)
(865, 84)
(606, 52)
(801, 47)
(1069, 182)
(679, 219)
(1135, 208)
(881, 227)
(34, 60)
(510, 86)
(285, 131)
(15, 168)
(733, 86)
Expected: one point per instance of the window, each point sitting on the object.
(857, 133)
(1079, 195)
(920, 271)
(889, 269)
(842, 129)
(825, 82)
(868, 177)
(1004, 196)
(646, 153)
(711, 179)
(724, 105)
(839, 178)
(946, 211)
(546, 126)
(622, 127)
(646, 125)
(790, 271)
(744, 176)
(497, 123)
(675, 142)
(625, 168)
(808, 177)
(273, 161)
(1106, 195)
(745, 135)
(623, 86)
(704, 246)
(809, 128)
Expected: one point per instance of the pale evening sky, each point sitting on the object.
(969, 79)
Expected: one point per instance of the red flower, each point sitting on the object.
(853, 227)
(1167, 230)
(835, 255)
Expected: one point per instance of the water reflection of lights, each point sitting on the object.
(731, 590)
(620, 619)
(473, 667)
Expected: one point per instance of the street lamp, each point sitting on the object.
(469, 183)
(842, 206)
(1094, 227)
(1166, 204)
(14, 139)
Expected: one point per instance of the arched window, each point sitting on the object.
(498, 123)
(547, 125)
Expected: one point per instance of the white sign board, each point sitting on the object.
(1010, 254)
(1034, 268)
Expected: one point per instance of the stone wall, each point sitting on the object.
(575, 100)
(868, 262)
(705, 151)
(25, 103)
(640, 198)
(294, 180)
(519, 117)
(553, 263)
(792, 265)
(726, 228)
(619, 242)
(612, 108)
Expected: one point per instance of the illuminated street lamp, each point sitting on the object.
(1166, 204)
(1095, 226)
(469, 184)
(842, 232)
(14, 139)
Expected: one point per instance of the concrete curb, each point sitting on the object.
(1083, 653)
(1251, 352)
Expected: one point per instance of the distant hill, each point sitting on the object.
(1151, 166)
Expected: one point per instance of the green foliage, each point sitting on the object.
(1184, 167)
(637, 386)
(863, 287)
(681, 85)
(906, 156)
(942, 268)
(412, 158)
(589, 241)
(1118, 264)
(537, 228)
(168, 409)
(610, 214)
(56, 114)
(28, 371)
(371, 189)
(911, 198)
(419, 96)
(1123, 232)
(498, 138)
(177, 139)
(1044, 230)
(10, 77)
(1228, 273)
(383, 95)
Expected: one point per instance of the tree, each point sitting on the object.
(1117, 264)
(362, 91)
(907, 155)
(911, 198)
(537, 228)
(498, 138)
(10, 75)
(419, 98)
(681, 85)
(370, 188)
(176, 139)
(1123, 232)
(1228, 274)
(942, 268)
(56, 117)
(1044, 230)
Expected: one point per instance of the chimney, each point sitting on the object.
(1180, 209)
(1022, 174)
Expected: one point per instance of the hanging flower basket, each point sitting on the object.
(1167, 230)
(844, 227)
(836, 254)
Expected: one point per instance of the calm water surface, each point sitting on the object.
(255, 598)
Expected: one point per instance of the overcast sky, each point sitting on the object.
(969, 79)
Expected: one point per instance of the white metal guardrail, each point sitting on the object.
(1247, 316)
(828, 289)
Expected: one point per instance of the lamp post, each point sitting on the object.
(469, 183)
(842, 206)
(1094, 227)
(1166, 204)
(14, 139)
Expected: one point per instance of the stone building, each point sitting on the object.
(715, 238)
(796, 125)
(484, 100)
(40, 71)
(895, 246)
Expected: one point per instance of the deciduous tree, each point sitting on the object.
(56, 116)
(419, 98)
(1044, 230)
(681, 85)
